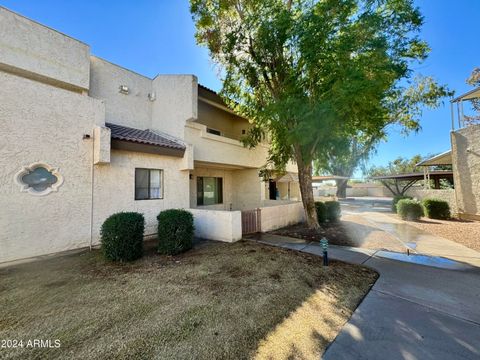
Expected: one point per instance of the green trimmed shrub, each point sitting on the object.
(175, 231)
(321, 211)
(122, 236)
(396, 199)
(409, 209)
(333, 210)
(436, 208)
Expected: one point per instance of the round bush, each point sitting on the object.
(333, 210)
(321, 211)
(175, 231)
(396, 199)
(436, 208)
(122, 236)
(409, 209)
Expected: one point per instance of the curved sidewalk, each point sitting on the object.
(412, 312)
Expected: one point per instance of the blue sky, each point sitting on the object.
(157, 36)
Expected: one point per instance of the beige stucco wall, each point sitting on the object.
(217, 225)
(227, 187)
(447, 195)
(115, 187)
(41, 123)
(221, 150)
(175, 104)
(466, 166)
(294, 191)
(229, 124)
(276, 217)
(34, 49)
(133, 109)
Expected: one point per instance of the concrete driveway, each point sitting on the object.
(371, 225)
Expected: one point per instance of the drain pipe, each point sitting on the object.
(92, 178)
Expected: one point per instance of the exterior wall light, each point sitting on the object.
(123, 89)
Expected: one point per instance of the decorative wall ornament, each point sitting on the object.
(39, 179)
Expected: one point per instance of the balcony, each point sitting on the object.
(220, 149)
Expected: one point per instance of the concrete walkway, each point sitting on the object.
(371, 224)
(412, 312)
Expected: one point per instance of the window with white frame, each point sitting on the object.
(148, 184)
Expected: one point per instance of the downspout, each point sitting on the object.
(92, 178)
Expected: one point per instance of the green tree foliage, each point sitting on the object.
(349, 153)
(308, 73)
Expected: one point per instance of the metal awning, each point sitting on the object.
(416, 176)
(444, 158)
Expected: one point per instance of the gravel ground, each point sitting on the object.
(463, 232)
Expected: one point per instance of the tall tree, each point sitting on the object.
(350, 152)
(307, 72)
(344, 158)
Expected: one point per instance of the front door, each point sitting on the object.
(272, 187)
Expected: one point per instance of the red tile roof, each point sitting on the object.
(120, 132)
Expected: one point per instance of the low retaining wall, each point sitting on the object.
(447, 195)
(275, 217)
(217, 224)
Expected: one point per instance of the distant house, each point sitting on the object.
(83, 138)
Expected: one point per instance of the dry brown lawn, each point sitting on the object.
(218, 301)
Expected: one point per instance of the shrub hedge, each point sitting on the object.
(175, 231)
(436, 208)
(122, 236)
(327, 211)
(396, 199)
(321, 211)
(333, 210)
(409, 209)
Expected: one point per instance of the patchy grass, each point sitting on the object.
(218, 301)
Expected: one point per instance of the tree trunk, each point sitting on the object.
(341, 188)
(306, 190)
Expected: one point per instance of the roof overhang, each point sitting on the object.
(328, 177)
(444, 158)
(472, 94)
(146, 148)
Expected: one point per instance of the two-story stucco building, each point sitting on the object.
(83, 138)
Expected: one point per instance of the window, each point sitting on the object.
(39, 179)
(148, 184)
(209, 190)
(214, 132)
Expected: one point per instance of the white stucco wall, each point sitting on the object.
(217, 225)
(41, 123)
(38, 50)
(466, 169)
(115, 188)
